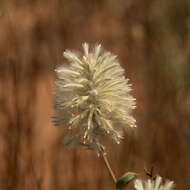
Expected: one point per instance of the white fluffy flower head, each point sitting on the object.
(154, 184)
(92, 97)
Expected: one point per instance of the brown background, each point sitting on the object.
(152, 41)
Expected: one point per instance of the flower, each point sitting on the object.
(154, 184)
(92, 97)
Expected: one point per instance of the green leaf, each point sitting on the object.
(124, 180)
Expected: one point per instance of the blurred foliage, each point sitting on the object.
(152, 41)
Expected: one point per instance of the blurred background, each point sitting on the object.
(152, 41)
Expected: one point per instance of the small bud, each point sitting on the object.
(155, 184)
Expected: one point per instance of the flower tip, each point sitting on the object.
(86, 48)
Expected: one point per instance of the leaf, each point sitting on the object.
(124, 180)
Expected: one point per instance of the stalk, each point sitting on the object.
(107, 164)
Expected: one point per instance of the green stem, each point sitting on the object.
(107, 164)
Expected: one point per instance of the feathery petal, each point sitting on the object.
(155, 184)
(92, 97)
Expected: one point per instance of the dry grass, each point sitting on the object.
(151, 39)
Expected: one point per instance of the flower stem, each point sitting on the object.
(107, 164)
